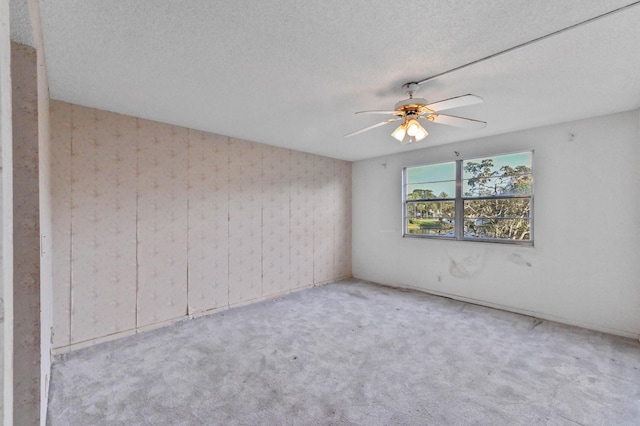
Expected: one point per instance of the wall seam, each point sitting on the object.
(313, 225)
(334, 202)
(72, 132)
(188, 213)
(228, 222)
(259, 181)
(262, 177)
(137, 150)
(290, 181)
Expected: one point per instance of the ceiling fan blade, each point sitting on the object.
(380, 112)
(458, 101)
(452, 120)
(373, 127)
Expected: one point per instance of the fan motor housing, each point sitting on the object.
(413, 105)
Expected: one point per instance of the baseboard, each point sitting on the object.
(125, 333)
(516, 310)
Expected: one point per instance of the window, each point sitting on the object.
(482, 199)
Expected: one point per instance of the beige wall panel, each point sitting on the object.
(208, 256)
(301, 222)
(165, 221)
(162, 222)
(103, 223)
(61, 220)
(245, 217)
(26, 238)
(342, 220)
(275, 220)
(323, 219)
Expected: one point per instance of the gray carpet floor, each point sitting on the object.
(353, 353)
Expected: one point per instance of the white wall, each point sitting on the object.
(583, 268)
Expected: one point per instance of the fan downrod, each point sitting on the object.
(410, 88)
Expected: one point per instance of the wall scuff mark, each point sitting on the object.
(519, 260)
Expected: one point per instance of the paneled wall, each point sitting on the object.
(208, 235)
(153, 222)
(103, 223)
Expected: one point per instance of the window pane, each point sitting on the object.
(515, 184)
(496, 163)
(498, 228)
(430, 218)
(495, 195)
(432, 173)
(499, 218)
(499, 175)
(431, 190)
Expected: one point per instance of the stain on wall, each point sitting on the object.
(466, 266)
(153, 222)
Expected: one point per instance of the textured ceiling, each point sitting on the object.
(292, 73)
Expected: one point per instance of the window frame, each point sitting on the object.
(460, 199)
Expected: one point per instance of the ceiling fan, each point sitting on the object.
(411, 110)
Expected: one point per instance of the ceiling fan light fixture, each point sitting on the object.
(421, 134)
(400, 132)
(412, 126)
(415, 130)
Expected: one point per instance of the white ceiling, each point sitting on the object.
(291, 73)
